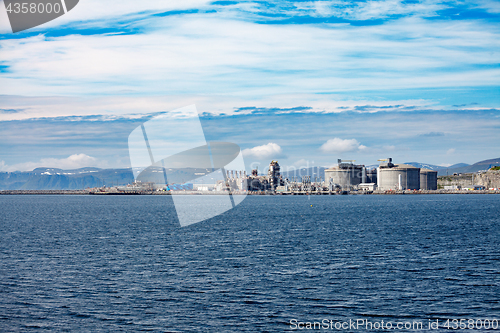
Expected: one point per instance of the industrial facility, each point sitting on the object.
(271, 182)
(234, 181)
(386, 177)
(350, 176)
(428, 179)
(347, 176)
(398, 176)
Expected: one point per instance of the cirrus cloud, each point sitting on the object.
(75, 161)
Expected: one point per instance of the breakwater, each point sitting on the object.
(47, 192)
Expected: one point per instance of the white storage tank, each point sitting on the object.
(398, 177)
(346, 175)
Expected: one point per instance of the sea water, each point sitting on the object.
(272, 264)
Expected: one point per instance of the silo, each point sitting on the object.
(398, 177)
(428, 179)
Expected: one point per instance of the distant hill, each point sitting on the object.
(437, 167)
(479, 166)
(78, 179)
(458, 168)
(458, 165)
(424, 166)
(58, 179)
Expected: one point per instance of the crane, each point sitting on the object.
(388, 160)
(348, 161)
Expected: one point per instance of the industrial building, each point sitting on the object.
(344, 177)
(233, 181)
(274, 175)
(271, 182)
(371, 175)
(346, 174)
(428, 179)
(397, 176)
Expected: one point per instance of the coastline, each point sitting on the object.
(87, 192)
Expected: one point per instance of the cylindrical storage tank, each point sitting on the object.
(428, 179)
(391, 178)
(345, 177)
(371, 176)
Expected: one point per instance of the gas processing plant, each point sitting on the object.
(346, 177)
(343, 178)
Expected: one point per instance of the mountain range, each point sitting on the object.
(58, 179)
(460, 167)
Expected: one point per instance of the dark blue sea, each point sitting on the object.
(273, 264)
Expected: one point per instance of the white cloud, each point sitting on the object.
(370, 9)
(100, 13)
(134, 106)
(225, 55)
(270, 150)
(98, 10)
(338, 145)
(491, 6)
(450, 151)
(72, 162)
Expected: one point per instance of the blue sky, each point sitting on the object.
(305, 82)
